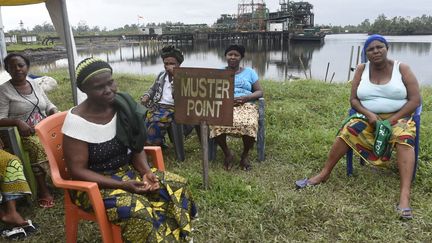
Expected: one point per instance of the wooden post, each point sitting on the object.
(186, 105)
(358, 55)
(350, 63)
(332, 77)
(304, 69)
(140, 50)
(328, 65)
(204, 143)
(261, 130)
(121, 55)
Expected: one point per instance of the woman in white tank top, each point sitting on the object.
(382, 89)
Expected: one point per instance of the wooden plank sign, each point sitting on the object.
(204, 94)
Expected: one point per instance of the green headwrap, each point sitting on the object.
(90, 67)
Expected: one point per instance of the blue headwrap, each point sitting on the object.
(369, 40)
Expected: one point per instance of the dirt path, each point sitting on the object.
(45, 55)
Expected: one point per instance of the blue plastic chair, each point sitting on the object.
(416, 118)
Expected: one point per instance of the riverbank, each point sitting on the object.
(329, 61)
(41, 54)
(302, 118)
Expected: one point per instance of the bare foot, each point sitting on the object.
(12, 218)
(320, 178)
(46, 200)
(244, 164)
(228, 161)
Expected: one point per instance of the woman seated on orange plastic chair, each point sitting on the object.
(383, 91)
(149, 206)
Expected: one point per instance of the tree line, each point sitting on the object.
(382, 25)
(390, 26)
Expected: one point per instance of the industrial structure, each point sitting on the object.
(253, 15)
(292, 16)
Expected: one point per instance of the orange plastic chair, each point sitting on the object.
(50, 135)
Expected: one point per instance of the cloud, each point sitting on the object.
(117, 13)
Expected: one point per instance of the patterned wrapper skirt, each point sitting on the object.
(162, 216)
(13, 183)
(359, 135)
(38, 159)
(157, 121)
(245, 122)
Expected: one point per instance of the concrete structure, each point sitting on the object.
(28, 38)
(152, 30)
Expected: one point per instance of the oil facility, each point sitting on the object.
(295, 19)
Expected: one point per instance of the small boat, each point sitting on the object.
(312, 34)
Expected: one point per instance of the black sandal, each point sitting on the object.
(19, 232)
(14, 233)
(30, 228)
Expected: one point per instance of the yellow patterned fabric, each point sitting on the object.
(37, 155)
(19, 2)
(162, 216)
(12, 179)
(360, 136)
(245, 122)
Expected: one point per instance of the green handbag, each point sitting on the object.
(383, 132)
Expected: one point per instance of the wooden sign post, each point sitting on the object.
(206, 97)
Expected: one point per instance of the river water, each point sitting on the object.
(272, 60)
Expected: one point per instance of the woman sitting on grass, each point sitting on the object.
(103, 142)
(385, 94)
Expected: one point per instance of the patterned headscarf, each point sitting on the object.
(369, 40)
(172, 51)
(90, 67)
(235, 47)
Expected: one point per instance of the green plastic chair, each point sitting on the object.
(10, 136)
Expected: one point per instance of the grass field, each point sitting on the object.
(262, 205)
(23, 47)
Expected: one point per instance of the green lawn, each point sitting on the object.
(302, 118)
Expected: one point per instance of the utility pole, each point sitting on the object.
(3, 52)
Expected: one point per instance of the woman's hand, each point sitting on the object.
(151, 182)
(132, 186)
(24, 129)
(144, 99)
(372, 118)
(240, 100)
(52, 111)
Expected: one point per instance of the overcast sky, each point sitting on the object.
(117, 13)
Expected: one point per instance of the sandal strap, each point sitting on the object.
(404, 213)
(14, 232)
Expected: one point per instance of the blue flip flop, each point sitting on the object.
(303, 183)
(404, 213)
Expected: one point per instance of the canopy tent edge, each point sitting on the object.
(59, 16)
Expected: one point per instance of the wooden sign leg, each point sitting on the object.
(204, 144)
